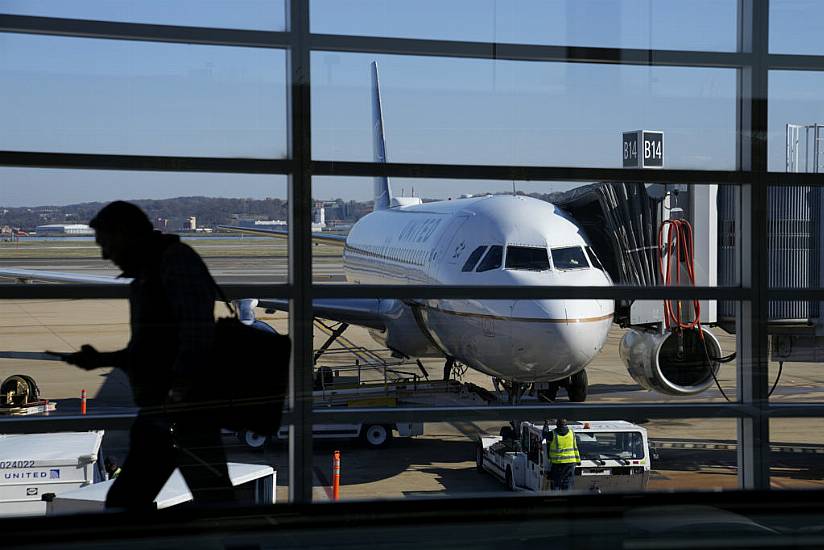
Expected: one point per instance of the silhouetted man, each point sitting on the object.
(171, 301)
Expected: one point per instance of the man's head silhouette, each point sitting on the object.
(122, 230)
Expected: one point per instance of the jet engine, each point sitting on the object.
(674, 363)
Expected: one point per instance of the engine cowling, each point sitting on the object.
(671, 364)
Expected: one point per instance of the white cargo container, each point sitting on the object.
(32, 465)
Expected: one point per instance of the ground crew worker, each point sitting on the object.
(562, 449)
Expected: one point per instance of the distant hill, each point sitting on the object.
(209, 211)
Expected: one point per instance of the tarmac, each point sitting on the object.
(691, 454)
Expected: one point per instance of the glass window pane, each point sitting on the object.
(569, 258)
(227, 14)
(795, 453)
(492, 260)
(78, 95)
(593, 259)
(796, 110)
(478, 213)
(470, 111)
(659, 24)
(473, 259)
(44, 215)
(527, 258)
(796, 26)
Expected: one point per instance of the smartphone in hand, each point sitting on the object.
(59, 354)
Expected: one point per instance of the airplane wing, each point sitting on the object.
(325, 238)
(28, 275)
(364, 312)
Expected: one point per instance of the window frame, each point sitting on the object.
(752, 61)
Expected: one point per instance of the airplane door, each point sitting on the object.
(455, 246)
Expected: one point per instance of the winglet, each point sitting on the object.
(382, 189)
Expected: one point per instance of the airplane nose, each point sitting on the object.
(540, 310)
(558, 337)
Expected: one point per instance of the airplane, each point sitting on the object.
(482, 240)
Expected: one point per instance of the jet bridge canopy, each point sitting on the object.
(622, 221)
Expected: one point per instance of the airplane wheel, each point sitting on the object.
(253, 440)
(479, 458)
(510, 482)
(376, 436)
(577, 389)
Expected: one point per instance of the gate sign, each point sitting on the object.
(643, 149)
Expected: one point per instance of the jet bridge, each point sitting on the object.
(664, 350)
(622, 221)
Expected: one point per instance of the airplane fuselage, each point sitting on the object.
(488, 240)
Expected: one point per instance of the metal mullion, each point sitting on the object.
(796, 410)
(529, 292)
(120, 421)
(526, 52)
(239, 291)
(796, 294)
(791, 62)
(300, 256)
(148, 163)
(66, 423)
(507, 413)
(36, 291)
(604, 411)
(751, 234)
(792, 179)
(145, 32)
(525, 173)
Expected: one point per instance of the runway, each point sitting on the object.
(692, 454)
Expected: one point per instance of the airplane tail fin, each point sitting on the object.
(382, 188)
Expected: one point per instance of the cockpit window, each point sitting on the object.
(527, 258)
(473, 258)
(593, 259)
(571, 257)
(492, 260)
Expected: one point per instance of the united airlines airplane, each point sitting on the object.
(484, 240)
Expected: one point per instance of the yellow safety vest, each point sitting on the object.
(563, 449)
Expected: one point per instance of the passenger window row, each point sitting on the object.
(402, 255)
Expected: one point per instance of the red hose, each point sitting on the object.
(680, 245)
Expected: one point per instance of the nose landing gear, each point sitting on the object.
(575, 386)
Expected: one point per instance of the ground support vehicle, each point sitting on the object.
(337, 394)
(615, 456)
(33, 465)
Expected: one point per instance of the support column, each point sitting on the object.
(751, 237)
(300, 254)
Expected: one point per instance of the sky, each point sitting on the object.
(106, 96)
